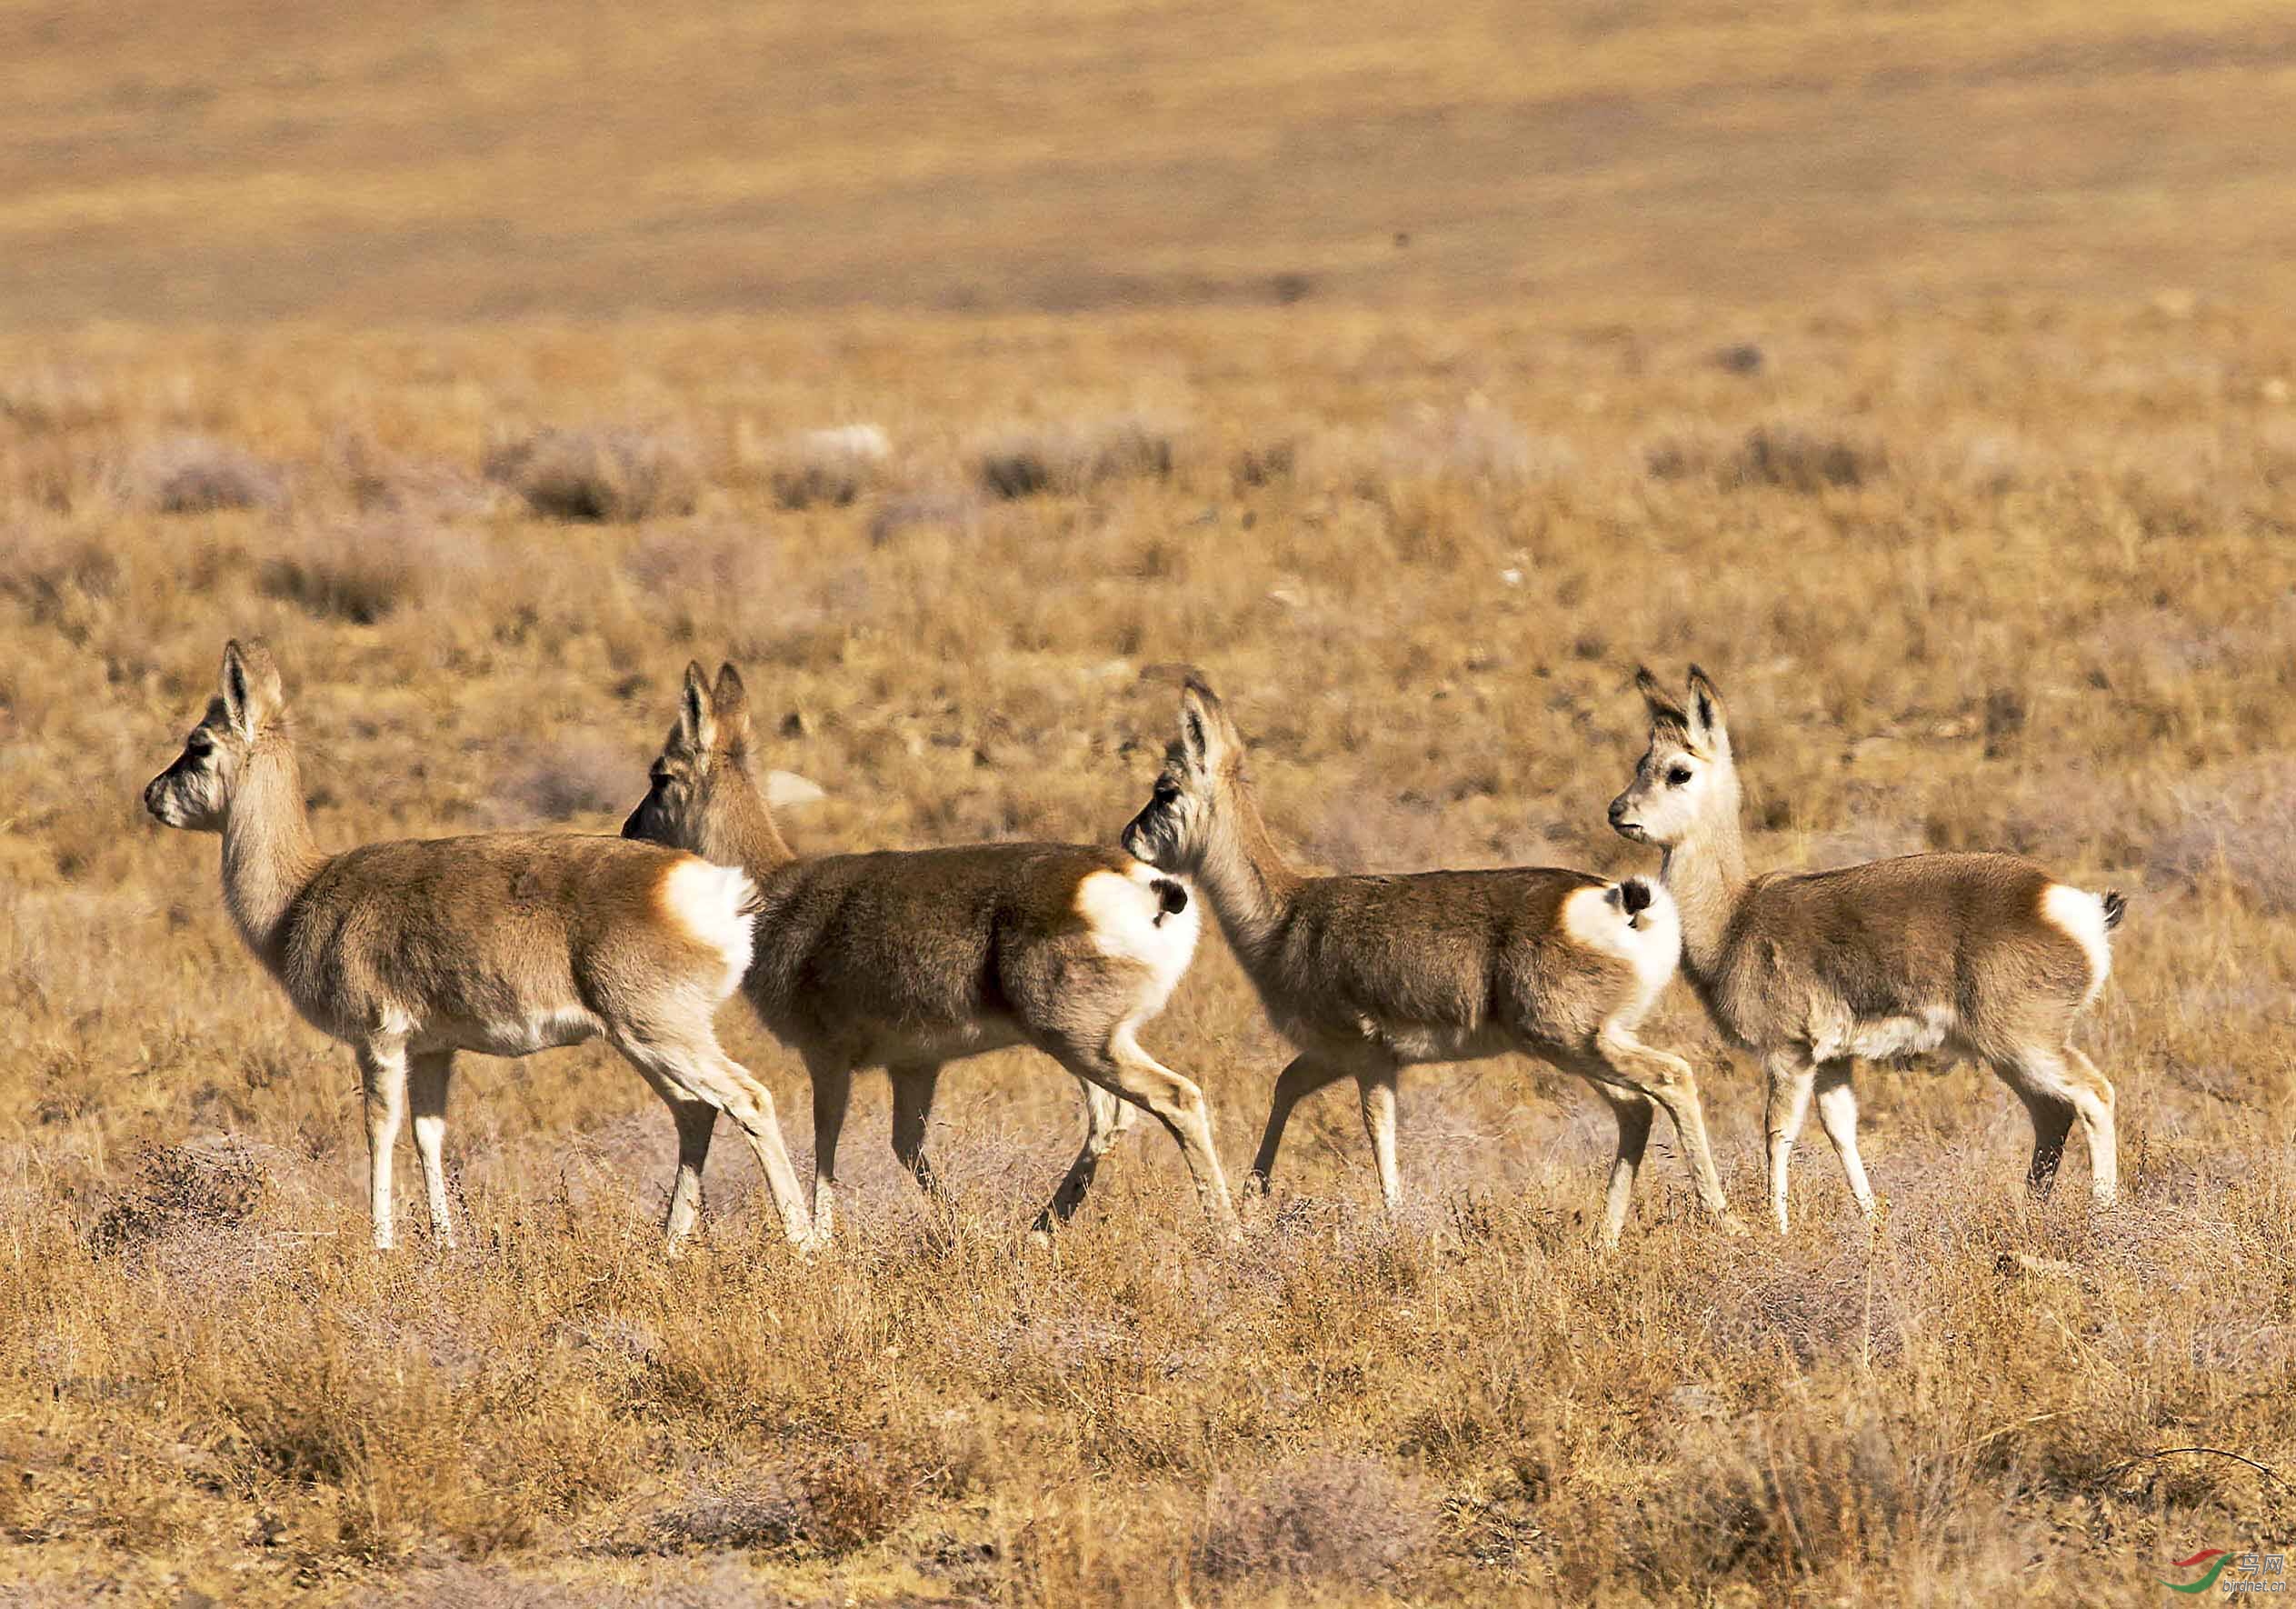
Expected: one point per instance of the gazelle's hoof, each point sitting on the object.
(1734, 1225)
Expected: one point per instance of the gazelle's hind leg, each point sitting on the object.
(696, 1122)
(1302, 1079)
(1838, 1115)
(1619, 1059)
(383, 1082)
(1792, 1077)
(1634, 1113)
(696, 1066)
(1107, 1119)
(1376, 1088)
(912, 1092)
(832, 1090)
(2094, 1100)
(428, 1076)
(2065, 1077)
(1120, 1066)
(2053, 1120)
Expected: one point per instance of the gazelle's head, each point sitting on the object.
(701, 790)
(1686, 779)
(1178, 827)
(247, 712)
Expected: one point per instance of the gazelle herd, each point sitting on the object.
(512, 943)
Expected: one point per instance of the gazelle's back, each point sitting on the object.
(1921, 936)
(503, 931)
(926, 949)
(1467, 953)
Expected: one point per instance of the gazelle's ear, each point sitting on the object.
(1664, 711)
(697, 711)
(250, 687)
(732, 701)
(1710, 722)
(1207, 736)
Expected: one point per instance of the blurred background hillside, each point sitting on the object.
(423, 160)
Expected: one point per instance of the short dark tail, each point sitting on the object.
(1635, 895)
(1172, 898)
(2115, 907)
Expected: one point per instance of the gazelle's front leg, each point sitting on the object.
(1838, 1115)
(1376, 1088)
(427, 1078)
(1792, 1076)
(912, 1092)
(382, 1083)
(1305, 1075)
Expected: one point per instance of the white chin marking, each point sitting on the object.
(1596, 919)
(707, 901)
(1127, 920)
(2081, 915)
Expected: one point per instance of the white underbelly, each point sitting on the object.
(522, 1037)
(1915, 1037)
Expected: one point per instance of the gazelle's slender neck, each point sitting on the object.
(739, 830)
(1706, 874)
(269, 856)
(1245, 876)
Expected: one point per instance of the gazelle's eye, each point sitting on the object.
(1676, 776)
(661, 776)
(199, 743)
(1166, 791)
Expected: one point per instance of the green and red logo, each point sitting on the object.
(2222, 1557)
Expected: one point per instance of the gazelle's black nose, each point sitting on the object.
(1618, 810)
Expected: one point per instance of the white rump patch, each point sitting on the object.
(1128, 921)
(1652, 939)
(710, 901)
(2080, 914)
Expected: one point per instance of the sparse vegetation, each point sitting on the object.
(827, 468)
(1073, 458)
(197, 475)
(617, 476)
(1990, 547)
(1474, 1405)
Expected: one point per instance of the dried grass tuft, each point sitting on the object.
(613, 476)
(1336, 1517)
(197, 475)
(1069, 459)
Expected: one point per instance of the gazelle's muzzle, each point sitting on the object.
(1622, 824)
(157, 801)
(639, 824)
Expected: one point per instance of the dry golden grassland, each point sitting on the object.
(1923, 370)
(2019, 580)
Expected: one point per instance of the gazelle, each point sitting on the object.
(1366, 976)
(907, 960)
(505, 945)
(1984, 955)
